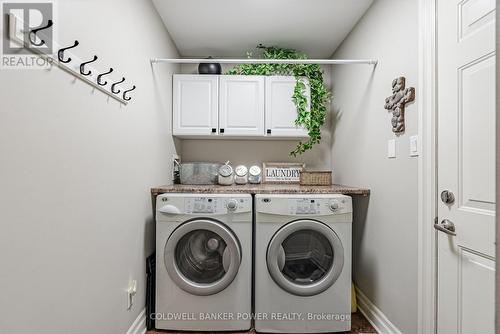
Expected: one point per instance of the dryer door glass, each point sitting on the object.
(308, 256)
(199, 256)
(305, 257)
(202, 256)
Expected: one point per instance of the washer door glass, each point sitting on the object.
(198, 256)
(305, 257)
(202, 256)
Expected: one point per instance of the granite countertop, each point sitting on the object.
(260, 189)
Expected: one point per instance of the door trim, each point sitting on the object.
(497, 231)
(427, 167)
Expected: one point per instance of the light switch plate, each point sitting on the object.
(414, 146)
(391, 148)
(15, 29)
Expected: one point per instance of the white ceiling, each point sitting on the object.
(229, 28)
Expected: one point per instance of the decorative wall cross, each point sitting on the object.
(397, 102)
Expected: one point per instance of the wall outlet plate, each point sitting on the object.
(131, 292)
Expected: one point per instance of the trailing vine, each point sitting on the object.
(310, 118)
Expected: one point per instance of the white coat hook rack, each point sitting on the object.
(81, 70)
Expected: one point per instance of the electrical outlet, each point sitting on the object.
(131, 292)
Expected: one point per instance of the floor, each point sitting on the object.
(359, 325)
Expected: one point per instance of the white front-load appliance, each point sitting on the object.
(303, 263)
(203, 262)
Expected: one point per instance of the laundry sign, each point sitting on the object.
(282, 172)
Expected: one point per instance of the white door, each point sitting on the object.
(281, 111)
(195, 105)
(466, 166)
(241, 102)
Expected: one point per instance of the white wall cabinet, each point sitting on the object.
(195, 105)
(234, 106)
(281, 112)
(241, 105)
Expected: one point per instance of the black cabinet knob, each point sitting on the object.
(268, 131)
(221, 130)
(214, 130)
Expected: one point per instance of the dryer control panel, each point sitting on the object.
(313, 206)
(296, 205)
(304, 206)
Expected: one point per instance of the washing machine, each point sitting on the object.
(303, 263)
(203, 262)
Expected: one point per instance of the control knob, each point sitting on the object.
(232, 205)
(334, 206)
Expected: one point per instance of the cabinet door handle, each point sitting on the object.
(268, 131)
(221, 130)
(214, 130)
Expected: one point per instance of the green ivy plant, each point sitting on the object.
(310, 118)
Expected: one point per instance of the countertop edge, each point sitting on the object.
(262, 189)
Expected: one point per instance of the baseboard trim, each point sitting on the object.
(139, 324)
(374, 315)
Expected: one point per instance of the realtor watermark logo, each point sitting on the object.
(27, 34)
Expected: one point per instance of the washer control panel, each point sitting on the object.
(201, 205)
(216, 205)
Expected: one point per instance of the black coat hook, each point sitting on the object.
(60, 53)
(82, 66)
(116, 83)
(34, 31)
(103, 74)
(126, 91)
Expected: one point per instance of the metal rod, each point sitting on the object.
(54, 61)
(265, 61)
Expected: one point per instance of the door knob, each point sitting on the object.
(447, 197)
(446, 226)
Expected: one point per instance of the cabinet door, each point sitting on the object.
(195, 105)
(241, 102)
(281, 112)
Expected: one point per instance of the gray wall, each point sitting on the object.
(385, 226)
(250, 152)
(75, 174)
